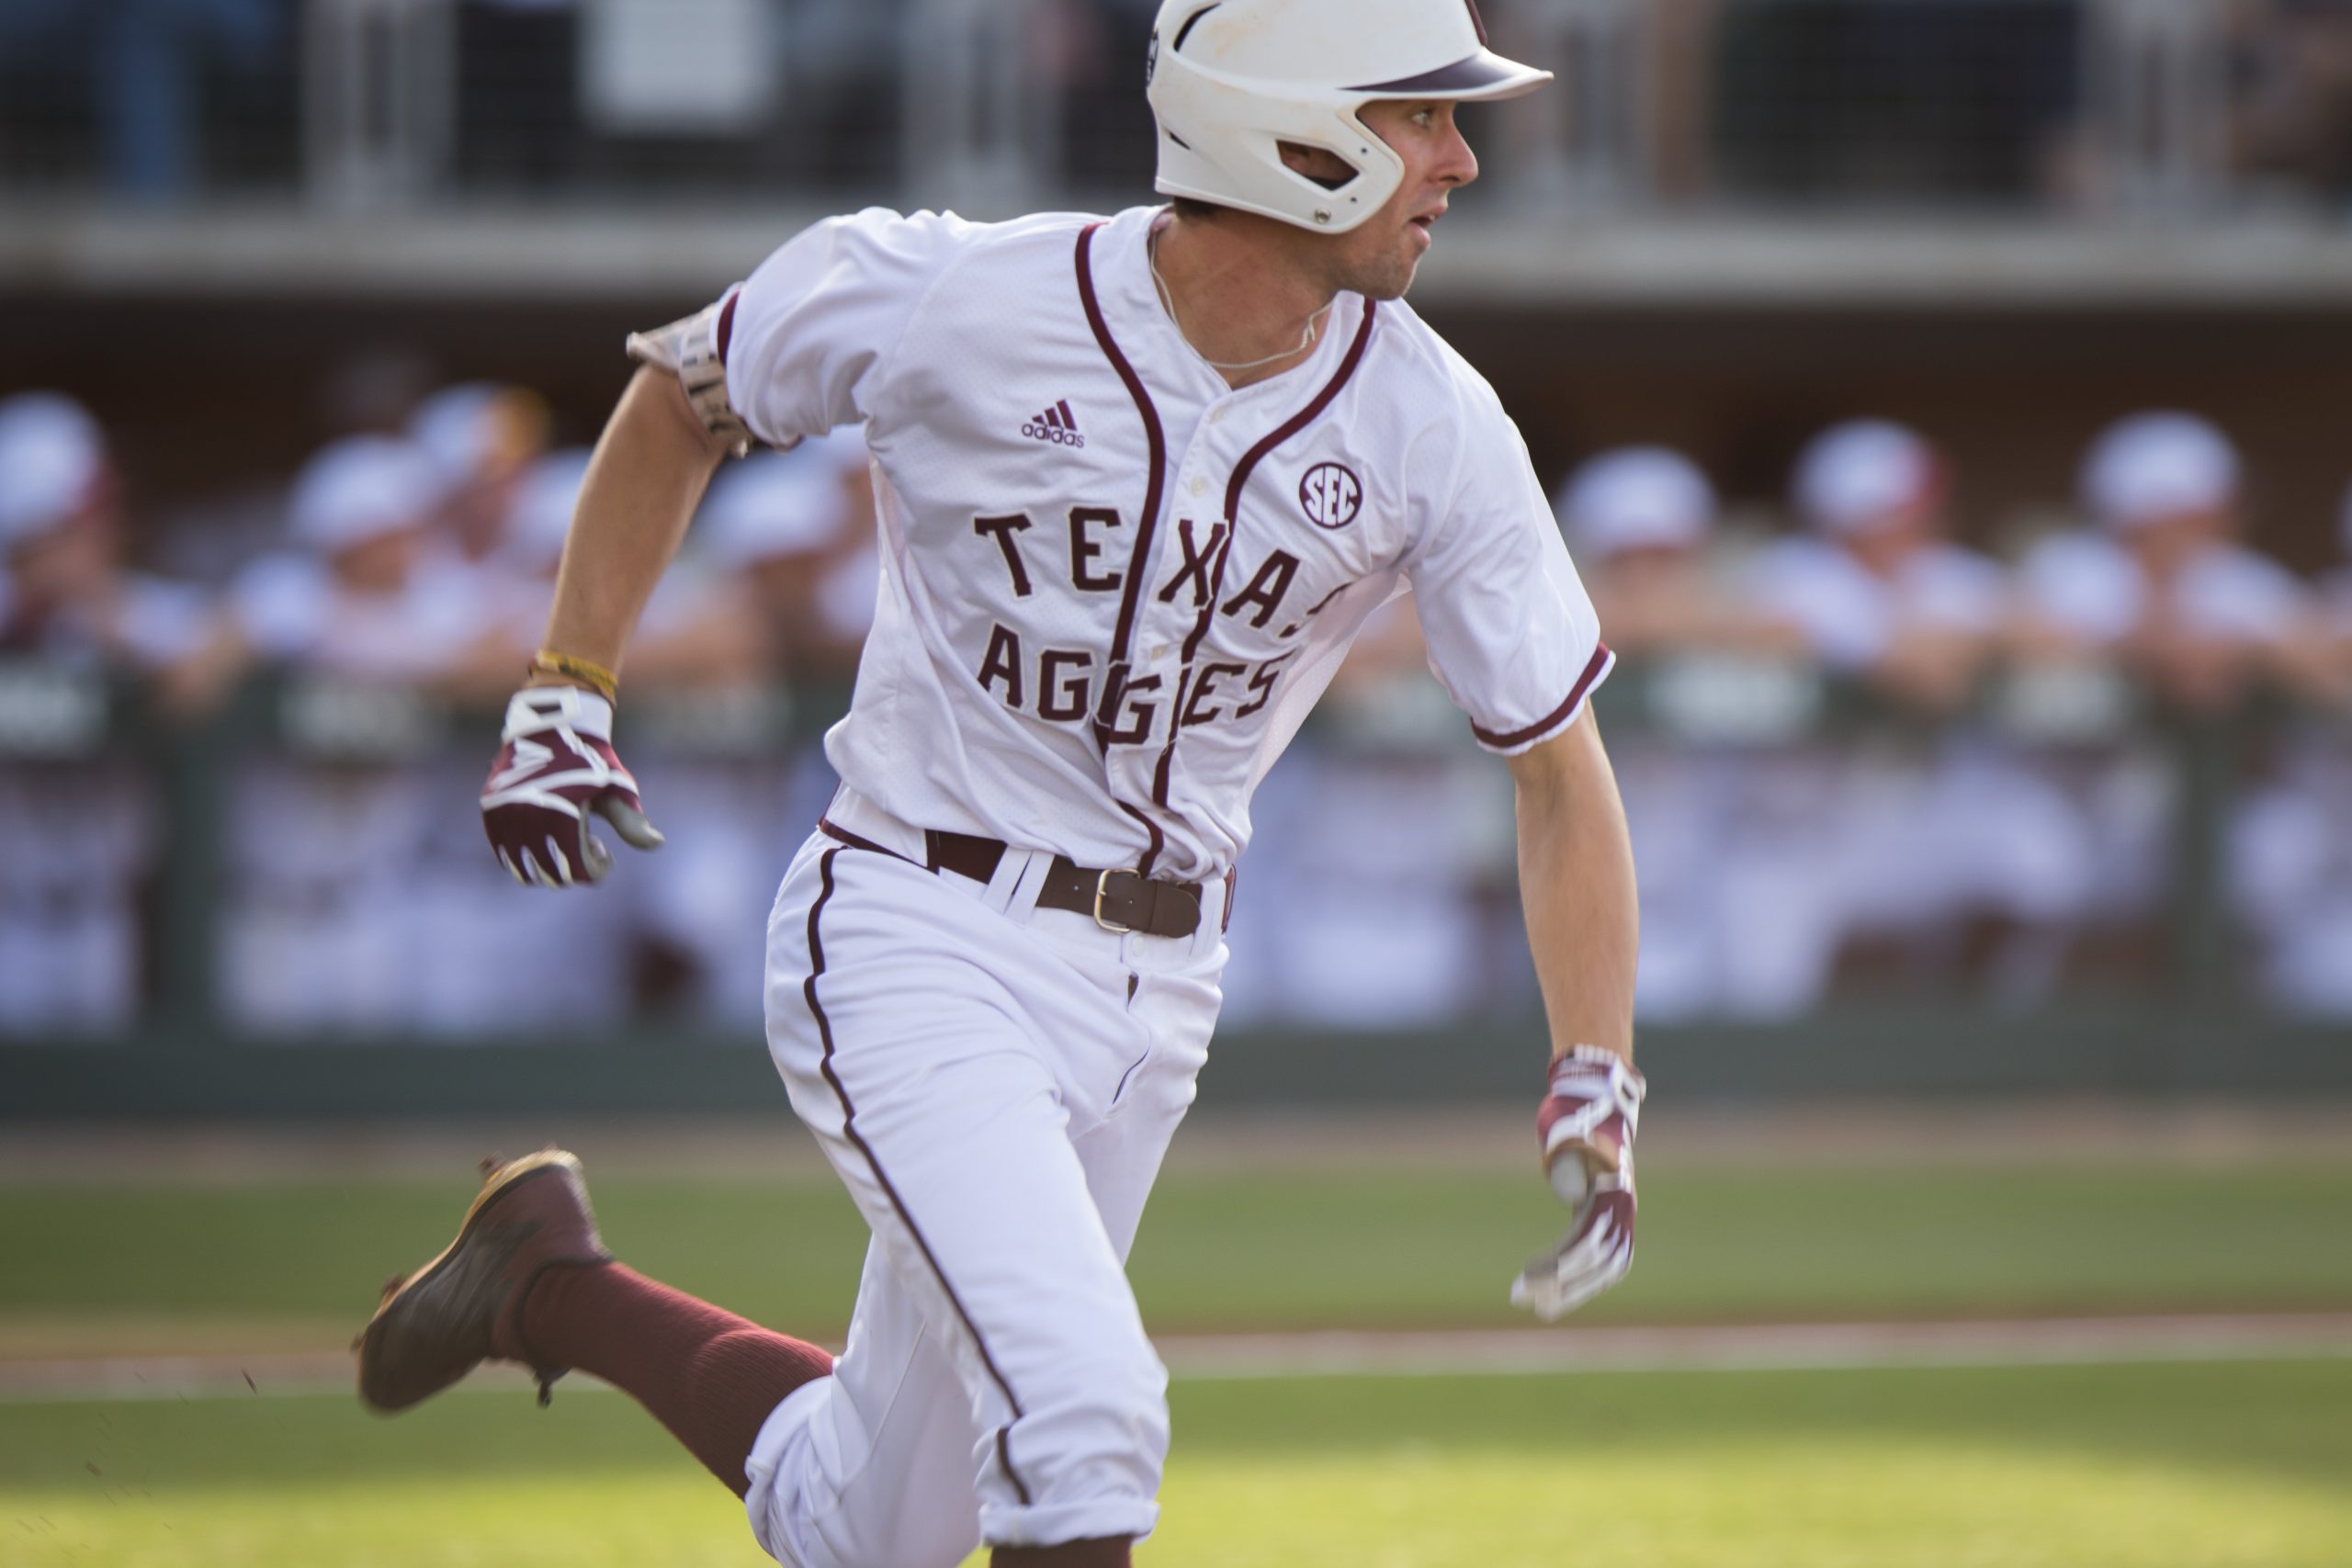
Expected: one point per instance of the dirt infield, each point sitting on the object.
(776, 1146)
(2234, 1337)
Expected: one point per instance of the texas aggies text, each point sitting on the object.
(993, 966)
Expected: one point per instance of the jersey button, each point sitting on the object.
(1200, 485)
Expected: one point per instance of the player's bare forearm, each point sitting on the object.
(648, 476)
(1576, 882)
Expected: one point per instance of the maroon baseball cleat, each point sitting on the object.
(464, 1308)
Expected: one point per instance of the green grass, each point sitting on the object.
(2161, 1466)
(2175, 1466)
(94, 1266)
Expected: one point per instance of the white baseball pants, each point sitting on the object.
(996, 1084)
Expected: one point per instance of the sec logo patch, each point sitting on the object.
(1332, 494)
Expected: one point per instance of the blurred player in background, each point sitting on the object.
(2336, 614)
(75, 834)
(65, 593)
(1709, 808)
(1928, 841)
(2164, 586)
(2161, 589)
(482, 440)
(2290, 852)
(319, 926)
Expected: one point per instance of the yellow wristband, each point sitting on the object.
(548, 661)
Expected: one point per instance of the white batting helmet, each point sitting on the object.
(1232, 80)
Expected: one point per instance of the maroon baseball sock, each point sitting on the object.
(712, 1378)
(1101, 1553)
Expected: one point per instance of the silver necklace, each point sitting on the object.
(1167, 301)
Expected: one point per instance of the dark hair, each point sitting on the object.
(1191, 207)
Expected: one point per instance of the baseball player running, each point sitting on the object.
(1139, 481)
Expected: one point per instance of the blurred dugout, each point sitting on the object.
(2163, 105)
(1856, 755)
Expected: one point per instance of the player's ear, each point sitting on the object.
(1320, 165)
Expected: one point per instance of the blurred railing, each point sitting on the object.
(305, 794)
(2139, 107)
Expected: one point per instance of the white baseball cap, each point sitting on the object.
(477, 428)
(772, 504)
(1636, 498)
(1860, 476)
(361, 489)
(52, 458)
(2151, 467)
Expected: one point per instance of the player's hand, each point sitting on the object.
(1586, 1128)
(556, 765)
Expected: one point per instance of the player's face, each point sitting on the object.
(2168, 544)
(1383, 253)
(380, 565)
(64, 563)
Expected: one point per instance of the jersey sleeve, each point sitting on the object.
(807, 338)
(1512, 634)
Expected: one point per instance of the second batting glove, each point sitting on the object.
(1586, 1127)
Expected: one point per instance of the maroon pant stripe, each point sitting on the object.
(849, 1130)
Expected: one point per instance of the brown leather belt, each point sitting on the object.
(1119, 899)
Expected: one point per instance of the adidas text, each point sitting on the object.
(1057, 425)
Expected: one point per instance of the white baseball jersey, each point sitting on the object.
(1113, 585)
(1851, 616)
(2091, 585)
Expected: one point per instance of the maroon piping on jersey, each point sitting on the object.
(727, 324)
(1248, 466)
(1184, 678)
(1156, 443)
(1575, 694)
(849, 1130)
(1304, 416)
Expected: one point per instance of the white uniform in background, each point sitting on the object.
(2144, 471)
(1401, 938)
(1111, 587)
(1905, 837)
(1681, 797)
(75, 836)
(320, 930)
(2291, 854)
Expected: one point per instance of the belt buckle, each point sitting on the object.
(1103, 891)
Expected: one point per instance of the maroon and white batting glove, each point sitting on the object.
(1586, 1128)
(556, 765)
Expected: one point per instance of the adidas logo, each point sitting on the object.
(1057, 425)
